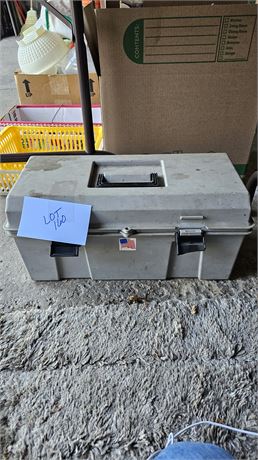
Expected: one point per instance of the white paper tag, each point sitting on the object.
(54, 220)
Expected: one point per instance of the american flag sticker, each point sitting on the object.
(127, 244)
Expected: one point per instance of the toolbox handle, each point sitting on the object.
(102, 182)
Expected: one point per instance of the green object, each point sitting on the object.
(47, 18)
(241, 169)
(134, 41)
(68, 19)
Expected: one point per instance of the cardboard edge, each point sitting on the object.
(90, 31)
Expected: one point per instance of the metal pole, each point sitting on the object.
(83, 74)
(16, 32)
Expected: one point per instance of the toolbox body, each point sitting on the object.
(153, 216)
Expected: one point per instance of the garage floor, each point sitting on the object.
(90, 370)
(8, 65)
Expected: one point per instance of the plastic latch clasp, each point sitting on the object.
(64, 249)
(190, 240)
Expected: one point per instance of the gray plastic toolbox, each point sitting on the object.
(153, 216)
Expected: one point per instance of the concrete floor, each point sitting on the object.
(8, 65)
(87, 374)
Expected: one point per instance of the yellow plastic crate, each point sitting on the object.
(30, 139)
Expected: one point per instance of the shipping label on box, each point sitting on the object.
(179, 79)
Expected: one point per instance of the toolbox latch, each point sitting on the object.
(190, 240)
(64, 249)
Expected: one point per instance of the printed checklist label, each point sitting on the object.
(179, 40)
(236, 38)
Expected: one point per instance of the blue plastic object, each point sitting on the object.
(193, 451)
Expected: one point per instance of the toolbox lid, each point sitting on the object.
(141, 192)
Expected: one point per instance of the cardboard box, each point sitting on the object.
(179, 79)
(53, 89)
(46, 114)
